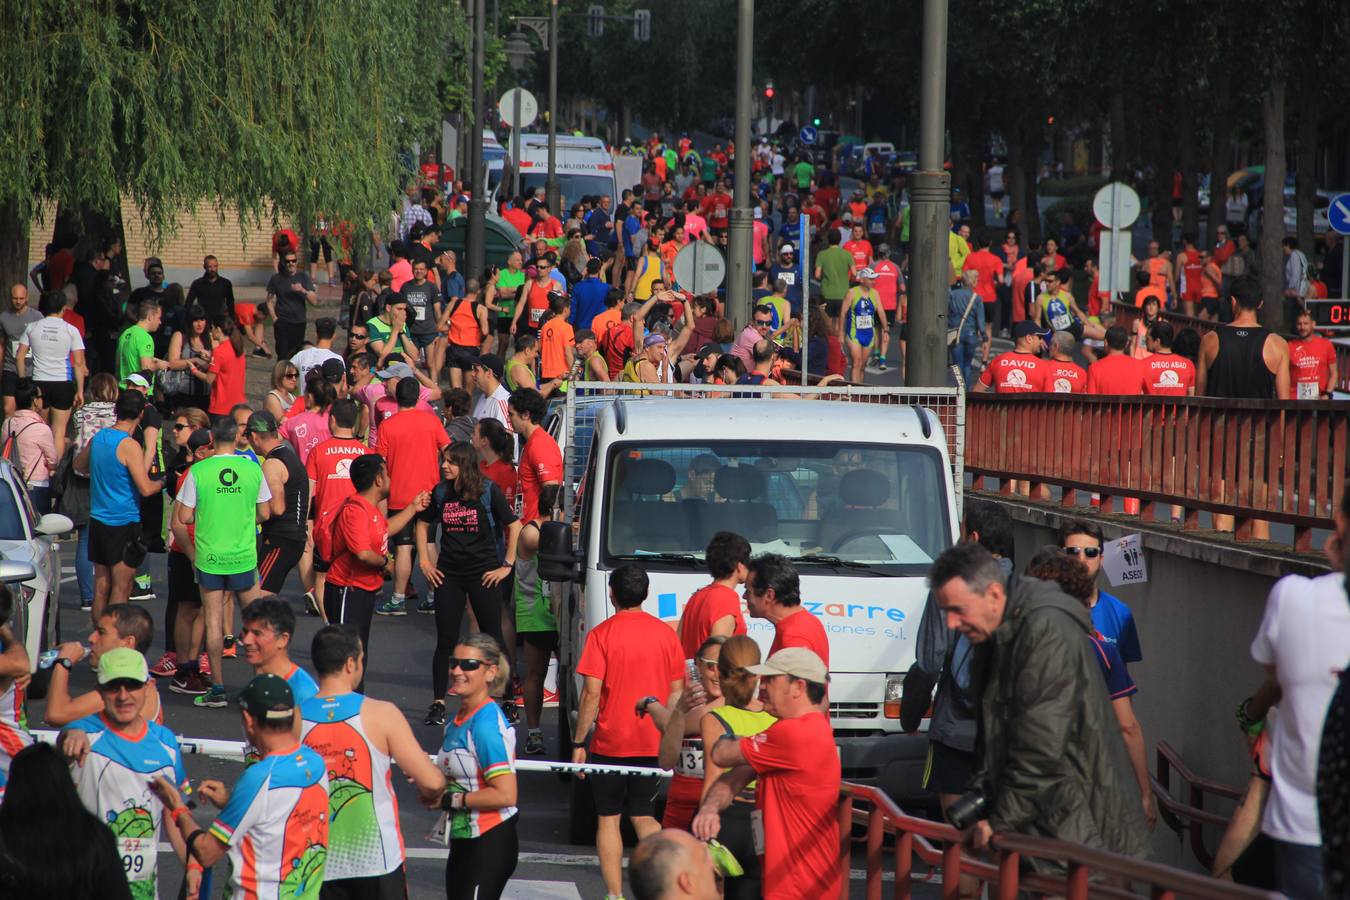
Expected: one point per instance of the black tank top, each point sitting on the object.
(289, 527)
(1239, 370)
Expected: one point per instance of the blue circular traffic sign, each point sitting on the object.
(1338, 214)
(807, 134)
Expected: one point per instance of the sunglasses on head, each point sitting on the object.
(1089, 552)
(467, 664)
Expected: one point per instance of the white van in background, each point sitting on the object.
(584, 168)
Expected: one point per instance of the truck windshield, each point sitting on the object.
(571, 186)
(833, 505)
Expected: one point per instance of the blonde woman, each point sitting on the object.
(285, 382)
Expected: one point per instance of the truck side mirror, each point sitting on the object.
(557, 560)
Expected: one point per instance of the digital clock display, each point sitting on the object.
(1330, 313)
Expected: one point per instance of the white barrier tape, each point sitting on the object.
(234, 750)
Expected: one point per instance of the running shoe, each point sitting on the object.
(427, 607)
(436, 713)
(261, 353)
(214, 698)
(392, 607)
(142, 591)
(204, 665)
(881, 365)
(86, 604)
(190, 683)
(227, 648)
(550, 699)
(534, 744)
(311, 605)
(167, 665)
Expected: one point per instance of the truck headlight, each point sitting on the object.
(895, 687)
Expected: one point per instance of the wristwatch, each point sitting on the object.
(643, 704)
(1251, 727)
(65, 662)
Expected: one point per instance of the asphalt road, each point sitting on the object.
(399, 671)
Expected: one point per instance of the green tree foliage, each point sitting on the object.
(271, 107)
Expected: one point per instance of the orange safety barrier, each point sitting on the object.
(1278, 461)
(1086, 872)
(1189, 817)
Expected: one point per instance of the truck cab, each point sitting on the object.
(858, 496)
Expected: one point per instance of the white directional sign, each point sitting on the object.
(529, 108)
(1116, 205)
(700, 268)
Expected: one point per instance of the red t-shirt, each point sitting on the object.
(285, 239)
(861, 251)
(541, 462)
(706, 606)
(887, 283)
(410, 442)
(990, 268)
(75, 319)
(358, 526)
(635, 655)
(617, 345)
(503, 474)
(798, 771)
(802, 629)
(717, 210)
(1118, 374)
(228, 388)
(519, 219)
(1015, 373)
(59, 269)
(1168, 374)
(1310, 362)
(329, 466)
(1064, 377)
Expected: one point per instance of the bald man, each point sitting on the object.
(15, 318)
(670, 865)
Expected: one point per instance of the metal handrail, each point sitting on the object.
(915, 837)
(1189, 818)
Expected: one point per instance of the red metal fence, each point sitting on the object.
(1266, 460)
(1087, 872)
(1191, 816)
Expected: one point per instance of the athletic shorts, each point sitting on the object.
(320, 564)
(423, 341)
(9, 383)
(390, 886)
(950, 771)
(997, 195)
(57, 394)
(320, 245)
(629, 795)
(546, 641)
(461, 357)
(503, 324)
(990, 313)
(113, 544)
(209, 581)
(404, 537)
(182, 586)
(1211, 305)
(246, 314)
(275, 562)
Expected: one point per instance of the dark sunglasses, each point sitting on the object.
(291, 375)
(289, 262)
(359, 337)
(117, 685)
(1089, 552)
(468, 664)
(764, 323)
(179, 426)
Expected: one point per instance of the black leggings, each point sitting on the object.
(450, 600)
(479, 868)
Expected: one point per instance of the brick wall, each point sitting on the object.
(206, 231)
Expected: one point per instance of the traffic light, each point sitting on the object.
(816, 121)
(768, 91)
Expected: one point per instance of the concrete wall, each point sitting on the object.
(1196, 617)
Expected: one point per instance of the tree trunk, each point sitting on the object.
(13, 245)
(1272, 216)
(1190, 201)
(1022, 154)
(1221, 155)
(1016, 173)
(1305, 179)
(1160, 188)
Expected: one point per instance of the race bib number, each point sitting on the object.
(419, 313)
(690, 761)
(138, 857)
(1307, 390)
(789, 278)
(535, 316)
(863, 322)
(757, 830)
(1059, 317)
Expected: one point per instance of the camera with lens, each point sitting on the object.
(970, 807)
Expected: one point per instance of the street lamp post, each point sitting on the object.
(476, 238)
(551, 192)
(518, 52)
(739, 244)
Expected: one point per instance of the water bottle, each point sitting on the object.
(691, 673)
(48, 658)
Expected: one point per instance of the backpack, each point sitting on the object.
(10, 451)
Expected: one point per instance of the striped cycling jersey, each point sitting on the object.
(478, 747)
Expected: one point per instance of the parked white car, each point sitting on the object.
(27, 538)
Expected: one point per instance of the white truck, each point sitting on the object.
(583, 165)
(859, 487)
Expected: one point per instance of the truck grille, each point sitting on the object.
(855, 711)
